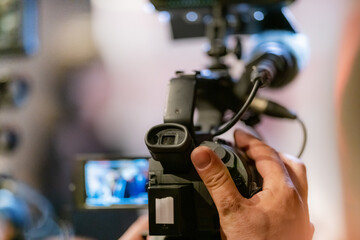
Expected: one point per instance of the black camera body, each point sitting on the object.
(179, 204)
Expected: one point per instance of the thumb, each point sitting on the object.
(216, 178)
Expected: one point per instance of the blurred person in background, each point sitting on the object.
(66, 68)
(81, 89)
(348, 117)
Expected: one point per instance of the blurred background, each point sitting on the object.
(96, 75)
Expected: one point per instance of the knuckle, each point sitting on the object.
(293, 198)
(289, 192)
(216, 180)
(256, 143)
(261, 150)
(292, 202)
(229, 205)
(301, 168)
(297, 163)
(292, 193)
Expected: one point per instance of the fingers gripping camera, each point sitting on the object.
(178, 198)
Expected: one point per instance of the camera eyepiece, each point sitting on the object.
(171, 144)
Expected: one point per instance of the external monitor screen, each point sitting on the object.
(116, 182)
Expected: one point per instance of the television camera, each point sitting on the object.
(179, 204)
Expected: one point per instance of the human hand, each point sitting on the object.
(7, 231)
(137, 230)
(279, 211)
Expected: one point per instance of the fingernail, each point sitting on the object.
(202, 160)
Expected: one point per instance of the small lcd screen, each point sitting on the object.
(116, 182)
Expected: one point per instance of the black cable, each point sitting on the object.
(239, 114)
(273, 109)
(305, 137)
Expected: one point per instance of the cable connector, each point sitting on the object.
(264, 71)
